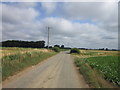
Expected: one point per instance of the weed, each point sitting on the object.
(14, 63)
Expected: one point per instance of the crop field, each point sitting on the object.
(95, 63)
(6, 51)
(16, 59)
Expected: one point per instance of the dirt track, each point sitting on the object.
(55, 72)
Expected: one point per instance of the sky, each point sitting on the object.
(73, 24)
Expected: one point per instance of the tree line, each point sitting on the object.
(17, 43)
(39, 44)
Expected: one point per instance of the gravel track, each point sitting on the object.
(58, 71)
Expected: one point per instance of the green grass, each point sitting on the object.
(62, 49)
(14, 63)
(108, 65)
(13, 50)
(90, 53)
(87, 73)
(94, 67)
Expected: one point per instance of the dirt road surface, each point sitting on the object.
(58, 71)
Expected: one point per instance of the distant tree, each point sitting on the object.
(0, 44)
(62, 46)
(17, 43)
(75, 50)
(56, 49)
(50, 46)
(57, 46)
(46, 46)
(106, 49)
(101, 48)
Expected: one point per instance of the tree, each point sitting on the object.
(106, 49)
(50, 46)
(57, 46)
(56, 49)
(17, 43)
(75, 50)
(62, 46)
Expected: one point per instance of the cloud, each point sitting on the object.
(17, 21)
(103, 13)
(26, 4)
(12, 14)
(64, 31)
(22, 22)
(49, 7)
(91, 10)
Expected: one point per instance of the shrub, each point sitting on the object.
(75, 50)
(56, 49)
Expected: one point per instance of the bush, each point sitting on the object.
(56, 49)
(75, 50)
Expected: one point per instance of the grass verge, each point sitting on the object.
(96, 69)
(14, 63)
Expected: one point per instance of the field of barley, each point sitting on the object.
(16, 59)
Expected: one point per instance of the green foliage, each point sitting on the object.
(57, 46)
(86, 72)
(89, 53)
(15, 63)
(13, 57)
(75, 50)
(62, 46)
(56, 49)
(18, 43)
(108, 65)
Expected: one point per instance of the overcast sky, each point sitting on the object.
(74, 24)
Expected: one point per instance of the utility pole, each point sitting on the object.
(48, 35)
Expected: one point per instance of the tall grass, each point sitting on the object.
(17, 62)
(87, 73)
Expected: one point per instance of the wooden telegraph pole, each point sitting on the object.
(48, 35)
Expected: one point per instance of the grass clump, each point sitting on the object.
(14, 63)
(75, 50)
(56, 49)
(87, 73)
